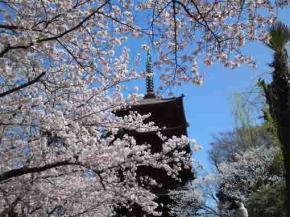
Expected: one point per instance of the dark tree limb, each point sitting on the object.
(10, 27)
(26, 170)
(9, 47)
(22, 86)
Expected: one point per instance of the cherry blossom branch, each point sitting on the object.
(23, 85)
(175, 37)
(48, 22)
(124, 24)
(26, 170)
(205, 24)
(9, 27)
(75, 27)
(9, 47)
(70, 52)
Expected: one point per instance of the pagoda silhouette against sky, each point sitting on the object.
(168, 114)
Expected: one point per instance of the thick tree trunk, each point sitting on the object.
(277, 95)
(284, 137)
(281, 113)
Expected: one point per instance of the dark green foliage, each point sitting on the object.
(280, 35)
(268, 201)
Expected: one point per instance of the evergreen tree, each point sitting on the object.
(277, 95)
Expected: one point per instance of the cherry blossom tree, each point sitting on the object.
(223, 193)
(197, 198)
(251, 170)
(236, 183)
(64, 65)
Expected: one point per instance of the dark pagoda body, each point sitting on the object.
(167, 114)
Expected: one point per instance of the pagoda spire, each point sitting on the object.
(149, 78)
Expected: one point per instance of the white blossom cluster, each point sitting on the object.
(250, 171)
(186, 201)
(237, 180)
